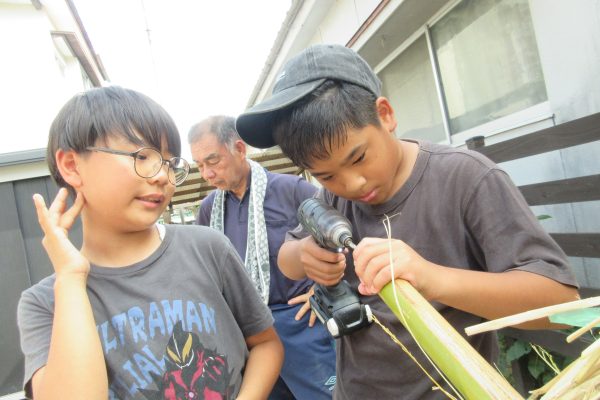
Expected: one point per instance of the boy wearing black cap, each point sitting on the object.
(461, 232)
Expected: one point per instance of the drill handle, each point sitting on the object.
(335, 289)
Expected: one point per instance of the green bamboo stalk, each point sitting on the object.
(462, 365)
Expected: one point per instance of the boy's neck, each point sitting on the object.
(108, 248)
(408, 153)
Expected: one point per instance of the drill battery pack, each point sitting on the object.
(339, 309)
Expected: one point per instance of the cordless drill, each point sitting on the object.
(337, 307)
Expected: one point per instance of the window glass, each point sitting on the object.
(408, 83)
(488, 61)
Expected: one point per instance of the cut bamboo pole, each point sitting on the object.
(464, 367)
(572, 381)
(531, 315)
(582, 330)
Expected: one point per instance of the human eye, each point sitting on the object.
(212, 162)
(360, 159)
(148, 155)
(141, 154)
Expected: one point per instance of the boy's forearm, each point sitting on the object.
(263, 365)
(496, 295)
(289, 260)
(75, 367)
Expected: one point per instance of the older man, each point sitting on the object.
(255, 208)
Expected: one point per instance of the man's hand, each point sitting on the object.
(55, 223)
(304, 298)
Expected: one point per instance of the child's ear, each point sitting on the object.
(386, 114)
(66, 162)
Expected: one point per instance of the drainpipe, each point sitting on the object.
(88, 42)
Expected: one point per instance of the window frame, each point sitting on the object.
(515, 124)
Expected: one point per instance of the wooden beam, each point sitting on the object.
(584, 188)
(573, 133)
(195, 188)
(579, 244)
(267, 155)
(202, 190)
(86, 38)
(73, 43)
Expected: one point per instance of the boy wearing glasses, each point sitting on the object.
(141, 310)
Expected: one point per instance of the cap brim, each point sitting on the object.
(255, 124)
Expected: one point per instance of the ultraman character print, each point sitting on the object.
(193, 372)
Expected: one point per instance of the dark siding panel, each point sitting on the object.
(14, 278)
(39, 263)
(23, 262)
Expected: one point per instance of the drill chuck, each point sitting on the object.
(329, 228)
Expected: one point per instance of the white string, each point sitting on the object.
(388, 230)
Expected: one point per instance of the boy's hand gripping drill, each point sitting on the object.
(338, 307)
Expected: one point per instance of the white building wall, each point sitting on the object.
(318, 21)
(33, 85)
(568, 35)
(343, 20)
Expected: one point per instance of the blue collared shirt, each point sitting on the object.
(283, 195)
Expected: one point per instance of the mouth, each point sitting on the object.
(152, 200)
(368, 196)
(217, 183)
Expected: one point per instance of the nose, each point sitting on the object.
(354, 182)
(207, 173)
(162, 176)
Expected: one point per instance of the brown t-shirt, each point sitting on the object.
(456, 209)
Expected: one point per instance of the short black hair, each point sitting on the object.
(308, 129)
(100, 113)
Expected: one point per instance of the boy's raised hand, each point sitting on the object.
(372, 265)
(55, 223)
(321, 265)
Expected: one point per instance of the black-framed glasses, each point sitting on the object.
(147, 162)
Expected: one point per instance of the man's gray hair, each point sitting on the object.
(223, 127)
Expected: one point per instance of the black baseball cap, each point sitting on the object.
(301, 75)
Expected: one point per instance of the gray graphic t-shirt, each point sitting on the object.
(172, 326)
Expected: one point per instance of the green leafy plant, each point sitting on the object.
(537, 364)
